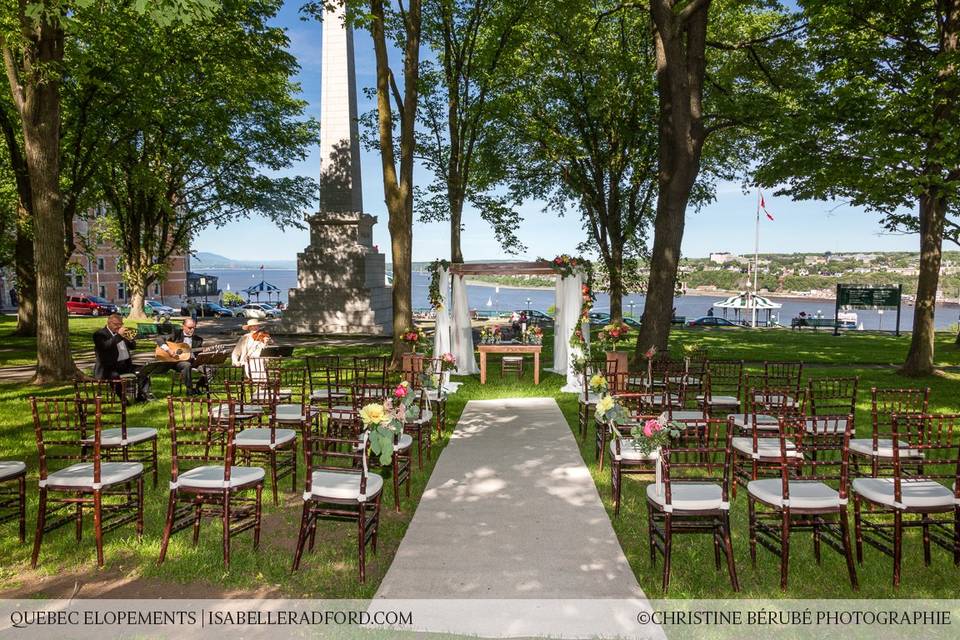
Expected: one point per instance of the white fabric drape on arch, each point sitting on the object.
(441, 338)
(462, 338)
(569, 292)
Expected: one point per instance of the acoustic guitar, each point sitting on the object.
(179, 352)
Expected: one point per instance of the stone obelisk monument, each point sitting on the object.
(341, 275)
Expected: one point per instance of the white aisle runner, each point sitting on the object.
(511, 515)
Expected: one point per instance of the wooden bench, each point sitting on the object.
(813, 323)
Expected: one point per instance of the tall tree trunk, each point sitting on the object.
(456, 227)
(680, 43)
(26, 278)
(398, 186)
(933, 206)
(615, 272)
(137, 284)
(920, 356)
(37, 97)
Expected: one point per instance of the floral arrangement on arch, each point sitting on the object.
(434, 294)
(384, 422)
(490, 335)
(533, 335)
(612, 334)
(565, 266)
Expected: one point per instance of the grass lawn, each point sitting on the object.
(330, 571)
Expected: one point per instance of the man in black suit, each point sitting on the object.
(114, 352)
(187, 334)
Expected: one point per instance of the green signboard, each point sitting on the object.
(852, 296)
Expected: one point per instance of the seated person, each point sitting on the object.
(186, 334)
(114, 347)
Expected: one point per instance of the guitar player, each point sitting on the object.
(187, 334)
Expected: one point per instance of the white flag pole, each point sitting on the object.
(756, 264)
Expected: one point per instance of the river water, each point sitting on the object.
(691, 306)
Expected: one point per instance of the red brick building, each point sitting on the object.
(95, 270)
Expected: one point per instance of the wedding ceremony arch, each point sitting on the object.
(574, 299)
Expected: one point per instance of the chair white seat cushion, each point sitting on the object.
(720, 401)
(342, 485)
(774, 399)
(265, 395)
(693, 381)
(403, 443)
(689, 496)
(223, 410)
(261, 437)
(864, 446)
(80, 475)
(433, 395)
(825, 426)
(513, 358)
(764, 422)
(290, 413)
(628, 452)
(211, 477)
(804, 494)
(11, 468)
(766, 447)
(592, 399)
(114, 437)
(684, 415)
(637, 381)
(913, 492)
(421, 417)
(341, 412)
(324, 394)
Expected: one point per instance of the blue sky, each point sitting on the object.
(725, 225)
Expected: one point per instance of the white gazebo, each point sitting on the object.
(746, 303)
(454, 332)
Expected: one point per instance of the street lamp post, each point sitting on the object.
(528, 304)
(630, 304)
(880, 313)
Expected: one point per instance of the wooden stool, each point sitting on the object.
(511, 364)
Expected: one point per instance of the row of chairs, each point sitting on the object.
(803, 452)
(259, 416)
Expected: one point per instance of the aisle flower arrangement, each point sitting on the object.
(612, 334)
(598, 384)
(413, 337)
(652, 434)
(384, 422)
(448, 362)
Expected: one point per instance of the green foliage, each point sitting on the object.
(869, 119)
(193, 121)
(232, 297)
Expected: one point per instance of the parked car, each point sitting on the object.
(90, 305)
(711, 321)
(258, 311)
(600, 319)
(159, 309)
(209, 310)
(535, 317)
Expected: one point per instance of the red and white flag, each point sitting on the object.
(763, 207)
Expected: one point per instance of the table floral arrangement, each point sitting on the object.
(613, 334)
(490, 335)
(533, 335)
(384, 422)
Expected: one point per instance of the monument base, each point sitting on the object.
(342, 280)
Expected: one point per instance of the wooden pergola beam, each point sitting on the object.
(537, 268)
